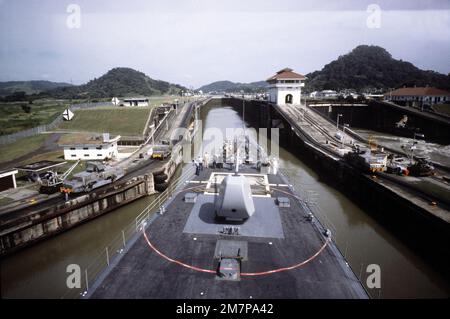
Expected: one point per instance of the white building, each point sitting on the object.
(285, 87)
(315, 95)
(136, 101)
(325, 94)
(91, 148)
(418, 96)
(329, 94)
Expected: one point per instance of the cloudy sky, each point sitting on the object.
(194, 42)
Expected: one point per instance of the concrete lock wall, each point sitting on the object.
(42, 224)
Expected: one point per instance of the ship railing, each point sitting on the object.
(107, 257)
(309, 199)
(158, 203)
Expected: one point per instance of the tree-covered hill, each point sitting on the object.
(367, 68)
(29, 87)
(118, 82)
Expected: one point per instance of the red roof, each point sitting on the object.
(418, 91)
(286, 73)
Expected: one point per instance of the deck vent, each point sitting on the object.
(190, 197)
(230, 230)
(283, 202)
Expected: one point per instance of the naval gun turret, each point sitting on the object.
(234, 201)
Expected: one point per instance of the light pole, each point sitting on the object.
(346, 125)
(419, 135)
(152, 127)
(337, 121)
(413, 147)
(243, 112)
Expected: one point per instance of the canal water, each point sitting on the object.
(40, 271)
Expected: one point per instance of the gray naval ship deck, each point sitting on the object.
(279, 252)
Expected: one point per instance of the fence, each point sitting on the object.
(117, 246)
(11, 138)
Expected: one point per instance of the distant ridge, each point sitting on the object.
(118, 82)
(29, 87)
(228, 86)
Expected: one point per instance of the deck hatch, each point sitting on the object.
(228, 256)
(231, 248)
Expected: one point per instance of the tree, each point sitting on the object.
(26, 108)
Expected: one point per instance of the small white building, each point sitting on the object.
(329, 94)
(418, 96)
(91, 147)
(135, 101)
(315, 95)
(325, 94)
(285, 87)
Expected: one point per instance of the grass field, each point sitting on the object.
(13, 118)
(114, 120)
(21, 147)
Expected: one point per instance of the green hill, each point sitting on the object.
(369, 68)
(228, 86)
(29, 87)
(118, 82)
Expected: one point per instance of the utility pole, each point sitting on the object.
(413, 147)
(153, 139)
(337, 121)
(243, 112)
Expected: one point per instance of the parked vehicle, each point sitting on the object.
(161, 153)
(95, 176)
(421, 167)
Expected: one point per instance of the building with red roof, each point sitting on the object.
(418, 96)
(285, 87)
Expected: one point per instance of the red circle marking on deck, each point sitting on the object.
(242, 274)
(249, 274)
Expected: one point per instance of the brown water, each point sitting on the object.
(40, 271)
